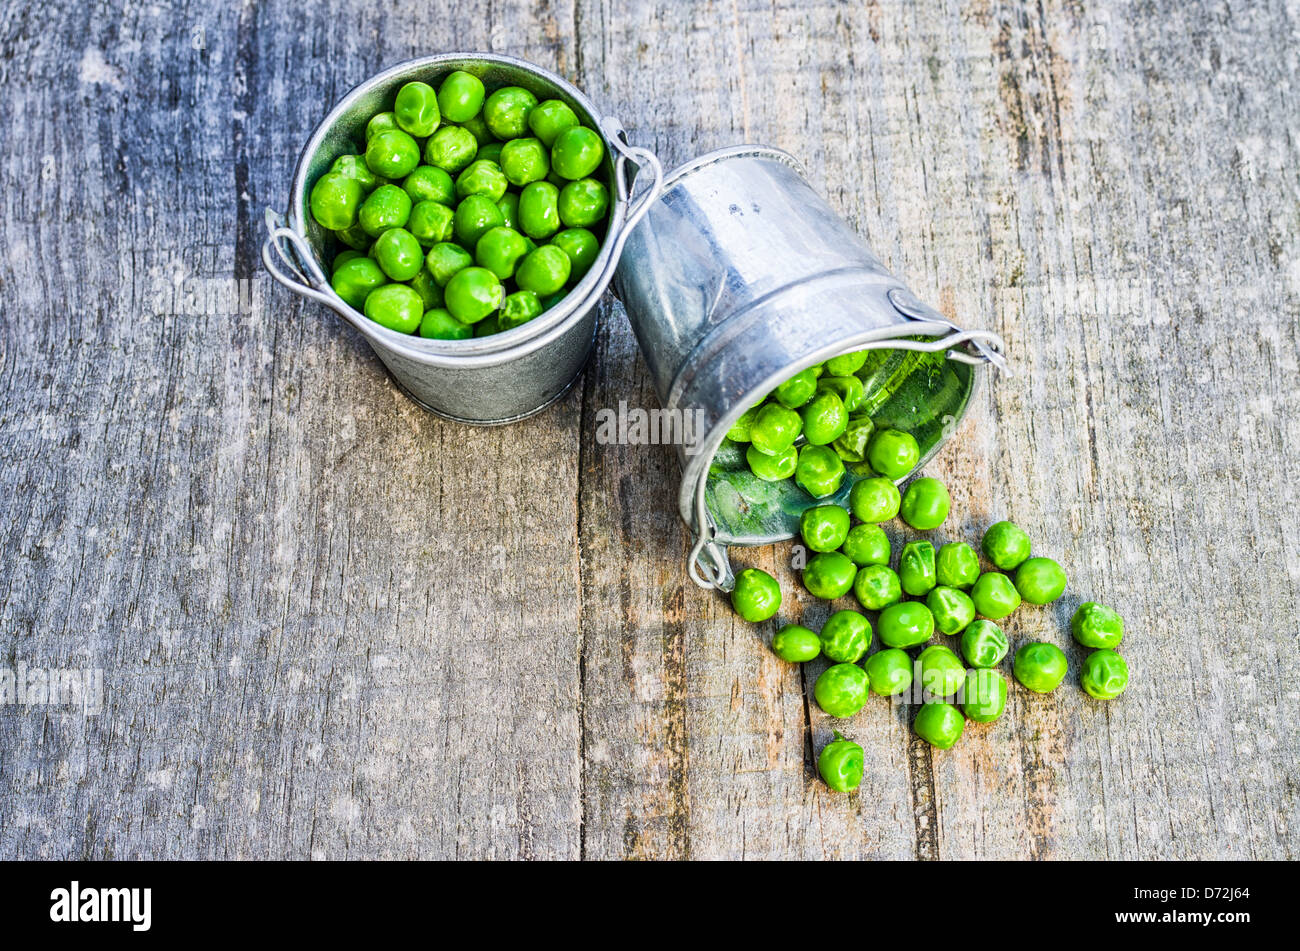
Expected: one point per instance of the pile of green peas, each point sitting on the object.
(953, 590)
(814, 429)
(468, 212)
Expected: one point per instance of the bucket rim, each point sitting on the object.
(727, 153)
(507, 345)
(695, 468)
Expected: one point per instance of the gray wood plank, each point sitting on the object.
(331, 624)
(1109, 190)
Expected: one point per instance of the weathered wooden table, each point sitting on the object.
(332, 625)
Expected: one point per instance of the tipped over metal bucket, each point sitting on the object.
(739, 276)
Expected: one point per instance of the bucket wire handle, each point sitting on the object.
(988, 345)
(707, 563)
(644, 160)
(289, 269)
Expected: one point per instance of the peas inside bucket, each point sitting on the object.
(913, 392)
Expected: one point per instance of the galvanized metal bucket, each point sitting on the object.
(740, 276)
(487, 380)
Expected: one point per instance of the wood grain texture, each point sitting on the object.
(332, 625)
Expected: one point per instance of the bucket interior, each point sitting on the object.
(922, 393)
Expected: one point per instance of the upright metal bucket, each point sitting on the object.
(740, 276)
(486, 380)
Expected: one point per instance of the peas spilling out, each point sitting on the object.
(468, 212)
(812, 429)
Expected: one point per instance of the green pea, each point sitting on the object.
(524, 161)
(583, 203)
(343, 257)
(490, 152)
(509, 205)
(354, 166)
(846, 364)
(539, 212)
(415, 109)
(427, 183)
(956, 565)
(506, 111)
(500, 249)
(386, 207)
(451, 149)
(939, 724)
(381, 122)
(824, 418)
(482, 177)
(475, 216)
(775, 429)
(460, 97)
(519, 308)
(396, 307)
(473, 294)
(874, 500)
(488, 326)
(905, 624)
(916, 568)
(438, 324)
(740, 429)
(819, 472)
(544, 271)
(984, 696)
(756, 596)
(983, 644)
(1040, 667)
(446, 260)
(893, 453)
(772, 467)
(866, 544)
(841, 764)
(431, 222)
(1006, 545)
(1040, 580)
(1095, 625)
(796, 644)
(353, 280)
(952, 608)
(354, 237)
(553, 300)
(847, 388)
(399, 254)
(889, 671)
(797, 390)
(548, 119)
(845, 636)
(841, 690)
(392, 154)
(1104, 674)
(942, 674)
(852, 445)
(334, 200)
(994, 595)
(478, 128)
(576, 153)
(582, 248)
(925, 504)
(877, 587)
(829, 575)
(824, 527)
(429, 290)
